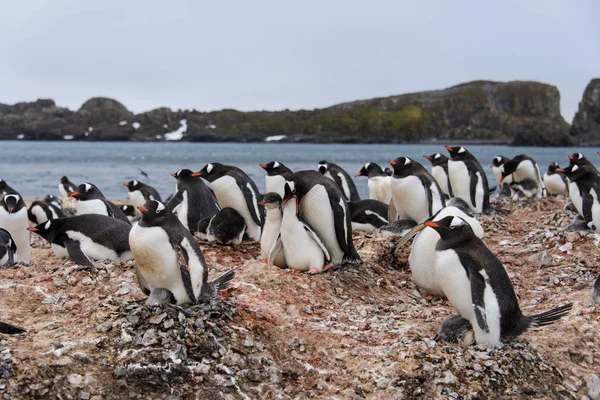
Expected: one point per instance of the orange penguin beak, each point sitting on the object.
(262, 203)
(264, 166)
(359, 174)
(33, 229)
(560, 170)
(173, 175)
(432, 224)
(142, 209)
(448, 148)
(427, 157)
(393, 162)
(75, 194)
(570, 157)
(126, 184)
(199, 173)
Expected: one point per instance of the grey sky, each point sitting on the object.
(254, 55)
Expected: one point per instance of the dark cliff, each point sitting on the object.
(520, 113)
(586, 124)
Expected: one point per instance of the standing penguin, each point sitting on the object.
(378, 182)
(13, 218)
(439, 170)
(580, 160)
(496, 166)
(226, 227)
(234, 188)
(66, 187)
(302, 248)
(415, 193)
(193, 201)
(556, 182)
(272, 203)
(8, 249)
(90, 200)
(478, 286)
(277, 173)
(341, 178)
(170, 266)
(468, 180)
(523, 175)
(41, 211)
(368, 214)
(5, 189)
(585, 193)
(323, 208)
(87, 237)
(139, 193)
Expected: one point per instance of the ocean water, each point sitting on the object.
(34, 168)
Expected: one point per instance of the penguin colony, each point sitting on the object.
(305, 222)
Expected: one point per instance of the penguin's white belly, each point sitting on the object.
(461, 183)
(345, 186)
(595, 209)
(94, 206)
(229, 194)
(555, 184)
(182, 211)
(300, 249)
(16, 224)
(157, 262)
(93, 250)
(410, 198)
(274, 184)
(576, 198)
(497, 171)
(380, 188)
(59, 251)
(270, 232)
(316, 210)
(527, 170)
(441, 178)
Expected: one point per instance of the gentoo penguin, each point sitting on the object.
(90, 200)
(439, 170)
(323, 208)
(130, 212)
(5, 189)
(422, 258)
(368, 214)
(8, 249)
(277, 173)
(41, 211)
(455, 329)
(580, 160)
(556, 183)
(170, 266)
(341, 178)
(139, 193)
(193, 201)
(478, 286)
(272, 203)
(13, 218)
(378, 182)
(9, 329)
(66, 187)
(399, 227)
(496, 166)
(235, 189)
(584, 192)
(226, 227)
(87, 237)
(415, 193)
(523, 175)
(302, 248)
(468, 180)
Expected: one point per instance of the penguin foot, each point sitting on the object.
(313, 271)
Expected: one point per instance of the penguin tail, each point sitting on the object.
(549, 317)
(10, 329)
(223, 281)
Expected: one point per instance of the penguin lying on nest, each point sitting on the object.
(8, 249)
(226, 227)
(170, 266)
(10, 329)
(478, 286)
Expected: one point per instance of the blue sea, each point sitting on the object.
(34, 168)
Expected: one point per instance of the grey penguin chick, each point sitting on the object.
(226, 227)
(8, 249)
(455, 329)
(87, 237)
(272, 203)
(170, 266)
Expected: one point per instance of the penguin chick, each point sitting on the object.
(226, 227)
(478, 286)
(8, 249)
(169, 264)
(455, 329)
(272, 203)
(556, 183)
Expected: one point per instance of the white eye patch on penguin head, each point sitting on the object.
(322, 166)
(134, 183)
(159, 206)
(574, 168)
(47, 225)
(209, 168)
(276, 164)
(87, 187)
(461, 150)
(456, 222)
(437, 155)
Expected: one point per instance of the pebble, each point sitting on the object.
(150, 338)
(157, 319)
(75, 379)
(87, 281)
(593, 384)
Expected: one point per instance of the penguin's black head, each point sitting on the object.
(322, 166)
(212, 171)
(370, 169)
(289, 188)
(578, 159)
(64, 179)
(404, 166)
(452, 228)
(575, 172)
(12, 203)
(184, 174)
(388, 171)
(274, 168)
(52, 199)
(153, 211)
(552, 167)
(134, 185)
(455, 329)
(498, 161)
(48, 229)
(127, 210)
(458, 152)
(437, 159)
(508, 168)
(87, 191)
(271, 200)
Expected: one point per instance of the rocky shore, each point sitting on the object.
(357, 332)
(515, 113)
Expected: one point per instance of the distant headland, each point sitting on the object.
(514, 113)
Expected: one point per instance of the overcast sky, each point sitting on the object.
(254, 55)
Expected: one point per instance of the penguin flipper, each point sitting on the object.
(317, 239)
(586, 206)
(477, 296)
(252, 202)
(10, 329)
(184, 268)
(275, 250)
(74, 249)
(174, 201)
(160, 297)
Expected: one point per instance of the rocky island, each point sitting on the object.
(515, 113)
